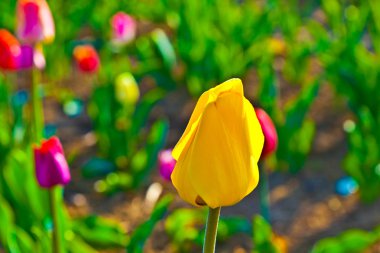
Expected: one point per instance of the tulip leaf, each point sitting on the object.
(183, 227)
(165, 48)
(143, 231)
(148, 156)
(143, 109)
(350, 241)
(262, 236)
(99, 232)
(78, 245)
(24, 241)
(6, 219)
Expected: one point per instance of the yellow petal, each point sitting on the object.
(234, 85)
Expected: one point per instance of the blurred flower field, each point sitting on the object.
(175, 126)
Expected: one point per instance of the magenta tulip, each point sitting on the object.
(269, 131)
(25, 59)
(34, 21)
(166, 164)
(50, 164)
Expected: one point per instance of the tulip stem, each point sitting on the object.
(37, 120)
(54, 215)
(211, 230)
(264, 194)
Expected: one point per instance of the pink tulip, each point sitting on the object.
(123, 28)
(166, 164)
(34, 22)
(50, 164)
(269, 131)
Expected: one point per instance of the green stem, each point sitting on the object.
(38, 117)
(54, 215)
(211, 230)
(264, 194)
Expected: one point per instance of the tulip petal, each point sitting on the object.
(192, 126)
(253, 128)
(234, 84)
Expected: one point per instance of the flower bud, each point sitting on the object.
(86, 58)
(10, 50)
(270, 133)
(126, 88)
(25, 60)
(50, 164)
(166, 164)
(123, 28)
(34, 22)
(218, 153)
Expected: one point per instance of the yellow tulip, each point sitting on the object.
(127, 90)
(217, 154)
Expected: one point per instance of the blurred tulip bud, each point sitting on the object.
(50, 164)
(218, 153)
(25, 60)
(126, 88)
(280, 243)
(34, 22)
(276, 46)
(86, 58)
(123, 28)
(39, 57)
(10, 51)
(270, 133)
(166, 164)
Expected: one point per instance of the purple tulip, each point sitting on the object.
(25, 59)
(50, 163)
(166, 164)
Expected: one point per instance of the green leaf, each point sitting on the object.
(143, 109)
(99, 232)
(143, 231)
(262, 236)
(78, 245)
(351, 241)
(6, 219)
(144, 162)
(165, 48)
(183, 226)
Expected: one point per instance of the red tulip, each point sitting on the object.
(10, 50)
(50, 164)
(34, 21)
(269, 131)
(86, 58)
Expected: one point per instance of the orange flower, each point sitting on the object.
(86, 58)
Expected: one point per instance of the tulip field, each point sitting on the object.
(167, 126)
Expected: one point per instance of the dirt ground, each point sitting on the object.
(304, 207)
